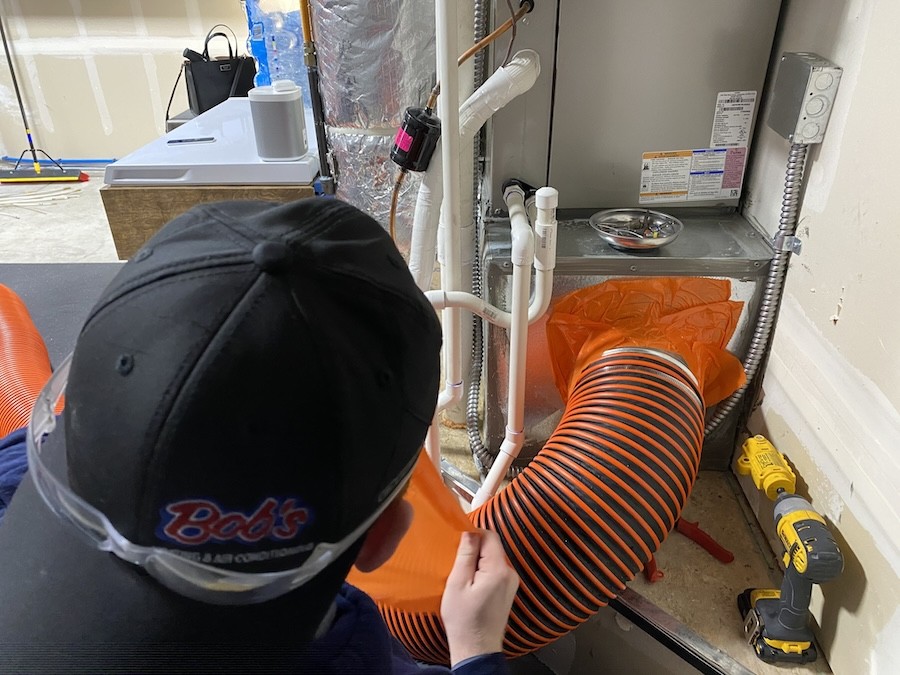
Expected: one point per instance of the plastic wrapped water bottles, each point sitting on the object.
(276, 42)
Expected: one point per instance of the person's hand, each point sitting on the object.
(478, 596)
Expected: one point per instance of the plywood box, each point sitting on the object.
(136, 213)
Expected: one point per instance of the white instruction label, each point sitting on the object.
(692, 175)
(733, 119)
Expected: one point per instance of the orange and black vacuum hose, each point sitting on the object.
(590, 510)
(24, 363)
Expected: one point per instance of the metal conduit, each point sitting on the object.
(585, 516)
(774, 288)
(480, 455)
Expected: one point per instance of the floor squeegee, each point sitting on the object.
(36, 173)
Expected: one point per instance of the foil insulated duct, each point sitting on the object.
(367, 180)
(376, 58)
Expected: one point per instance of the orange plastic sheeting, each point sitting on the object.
(413, 579)
(24, 362)
(693, 317)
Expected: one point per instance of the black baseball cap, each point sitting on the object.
(257, 380)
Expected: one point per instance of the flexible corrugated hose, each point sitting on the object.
(24, 363)
(585, 516)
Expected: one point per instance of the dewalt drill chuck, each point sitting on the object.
(777, 621)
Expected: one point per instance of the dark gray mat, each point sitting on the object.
(59, 297)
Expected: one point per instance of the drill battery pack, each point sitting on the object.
(770, 651)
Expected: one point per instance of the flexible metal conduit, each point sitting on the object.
(585, 516)
(479, 452)
(480, 455)
(774, 288)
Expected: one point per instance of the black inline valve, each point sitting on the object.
(416, 139)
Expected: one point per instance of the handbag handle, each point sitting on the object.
(172, 95)
(235, 79)
(212, 33)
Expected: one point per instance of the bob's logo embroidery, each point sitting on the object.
(194, 522)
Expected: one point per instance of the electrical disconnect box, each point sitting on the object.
(803, 96)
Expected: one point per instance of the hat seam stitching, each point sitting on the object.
(155, 422)
(227, 221)
(159, 273)
(318, 222)
(165, 275)
(310, 230)
(158, 421)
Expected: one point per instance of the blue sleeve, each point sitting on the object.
(486, 664)
(13, 464)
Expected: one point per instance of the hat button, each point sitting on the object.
(125, 364)
(271, 256)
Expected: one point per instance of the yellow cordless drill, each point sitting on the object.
(777, 621)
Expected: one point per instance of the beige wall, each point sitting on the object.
(96, 75)
(832, 388)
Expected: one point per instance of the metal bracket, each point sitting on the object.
(787, 243)
(752, 626)
(458, 482)
(675, 636)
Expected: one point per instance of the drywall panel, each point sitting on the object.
(846, 277)
(832, 386)
(96, 76)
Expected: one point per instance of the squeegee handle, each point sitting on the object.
(15, 81)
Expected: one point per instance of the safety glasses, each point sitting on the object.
(169, 567)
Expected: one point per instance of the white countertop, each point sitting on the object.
(230, 158)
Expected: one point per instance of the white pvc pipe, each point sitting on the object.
(455, 413)
(541, 210)
(441, 185)
(546, 201)
(514, 79)
(442, 299)
(540, 302)
(448, 111)
(433, 443)
(522, 259)
(543, 290)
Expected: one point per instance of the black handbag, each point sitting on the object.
(211, 81)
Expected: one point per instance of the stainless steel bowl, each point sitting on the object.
(636, 229)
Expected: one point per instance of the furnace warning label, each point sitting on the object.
(733, 119)
(692, 175)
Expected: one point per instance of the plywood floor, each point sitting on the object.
(697, 589)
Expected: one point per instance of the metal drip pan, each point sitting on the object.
(636, 229)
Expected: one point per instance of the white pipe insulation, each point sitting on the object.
(508, 82)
